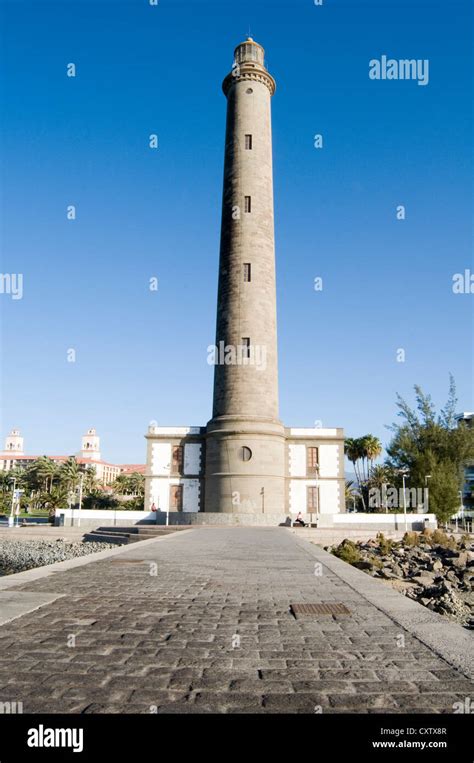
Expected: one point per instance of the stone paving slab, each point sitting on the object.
(200, 622)
(17, 603)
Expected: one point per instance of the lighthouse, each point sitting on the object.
(245, 441)
(244, 466)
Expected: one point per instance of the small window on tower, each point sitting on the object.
(246, 346)
(248, 142)
(248, 204)
(247, 272)
(246, 453)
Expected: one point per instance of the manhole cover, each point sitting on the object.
(322, 608)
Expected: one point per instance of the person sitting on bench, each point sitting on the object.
(299, 520)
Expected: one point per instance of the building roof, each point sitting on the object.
(12, 456)
(140, 468)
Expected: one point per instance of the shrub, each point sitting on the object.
(385, 545)
(440, 538)
(377, 563)
(411, 539)
(347, 551)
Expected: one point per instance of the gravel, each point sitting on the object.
(19, 555)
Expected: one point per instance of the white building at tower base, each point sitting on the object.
(314, 478)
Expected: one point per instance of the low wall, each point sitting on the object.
(366, 523)
(382, 522)
(92, 518)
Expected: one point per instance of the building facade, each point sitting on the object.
(14, 456)
(467, 419)
(245, 461)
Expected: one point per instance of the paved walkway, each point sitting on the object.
(212, 631)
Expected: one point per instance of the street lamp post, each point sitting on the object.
(404, 502)
(404, 474)
(461, 511)
(12, 520)
(81, 482)
(427, 500)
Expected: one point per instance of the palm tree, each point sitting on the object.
(121, 484)
(17, 474)
(354, 451)
(350, 492)
(69, 474)
(5, 483)
(372, 448)
(379, 476)
(90, 483)
(100, 500)
(56, 498)
(46, 470)
(136, 482)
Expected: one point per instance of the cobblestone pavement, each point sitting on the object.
(200, 622)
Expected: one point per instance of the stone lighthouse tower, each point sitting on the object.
(245, 441)
(244, 466)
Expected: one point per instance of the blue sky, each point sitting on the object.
(141, 355)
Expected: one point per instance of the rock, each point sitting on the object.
(461, 560)
(446, 553)
(397, 570)
(363, 565)
(437, 577)
(468, 575)
(424, 578)
(399, 552)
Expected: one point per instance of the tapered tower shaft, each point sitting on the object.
(246, 308)
(245, 445)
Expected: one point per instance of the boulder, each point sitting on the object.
(397, 570)
(461, 560)
(363, 565)
(451, 576)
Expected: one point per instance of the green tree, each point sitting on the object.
(444, 498)
(45, 471)
(99, 499)
(69, 474)
(355, 453)
(425, 443)
(372, 449)
(90, 482)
